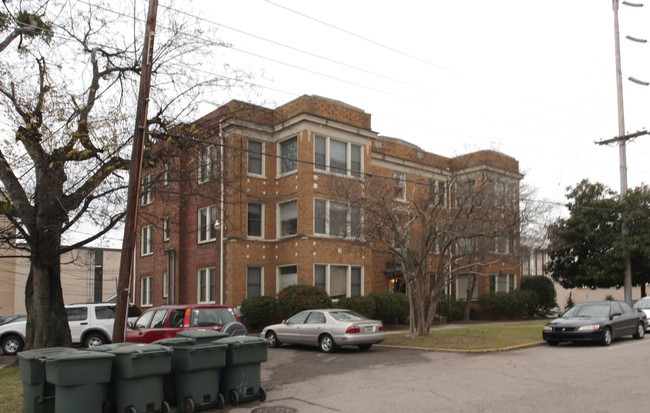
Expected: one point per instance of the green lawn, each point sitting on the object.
(11, 390)
(474, 338)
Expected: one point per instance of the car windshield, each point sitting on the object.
(642, 305)
(205, 317)
(347, 316)
(597, 310)
(13, 319)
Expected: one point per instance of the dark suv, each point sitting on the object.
(164, 322)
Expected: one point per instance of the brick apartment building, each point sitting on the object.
(242, 207)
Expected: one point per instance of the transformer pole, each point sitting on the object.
(128, 242)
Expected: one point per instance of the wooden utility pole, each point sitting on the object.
(128, 242)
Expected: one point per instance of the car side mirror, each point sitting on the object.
(129, 324)
(285, 322)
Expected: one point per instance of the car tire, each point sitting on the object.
(12, 344)
(272, 339)
(326, 343)
(640, 331)
(93, 340)
(607, 337)
(364, 346)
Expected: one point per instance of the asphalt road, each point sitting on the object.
(568, 378)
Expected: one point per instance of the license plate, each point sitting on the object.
(369, 329)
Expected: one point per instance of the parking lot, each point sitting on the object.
(567, 378)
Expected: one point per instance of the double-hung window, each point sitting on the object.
(255, 159)
(206, 220)
(146, 291)
(287, 275)
(206, 285)
(255, 214)
(289, 155)
(399, 186)
(339, 280)
(207, 163)
(165, 229)
(146, 191)
(288, 218)
(146, 240)
(503, 282)
(339, 157)
(253, 282)
(462, 282)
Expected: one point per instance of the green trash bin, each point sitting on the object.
(81, 380)
(202, 336)
(138, 371)
(240, 379)
(194, 380)
(38, 394)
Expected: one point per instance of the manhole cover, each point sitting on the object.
(274, 409)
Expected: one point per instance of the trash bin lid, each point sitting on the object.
(175, 341)
(201, 335)
(242, 341)
(109, 347)
(41, 353)
(136, 349)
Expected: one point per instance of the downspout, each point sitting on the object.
(221, 217)
(91, 266)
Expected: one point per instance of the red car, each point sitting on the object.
(164, 322)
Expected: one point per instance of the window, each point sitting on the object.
(255, 213)
(207, 163)
(466, 245)
(502, 282)
(399, 182)
(338, 157)
(146, 191)
(206, 285)
(255, 160)
(466, 193)
(503, 245)
(165, 292)
(289, 155)
(146, 241)
(207, 219)
(461, 287)
(105, 312)
(339, 280)
(287, 276)
(77, 313)
(146, 292)
(165, 229)
(438, 193)
(288, 215)
(253, 282)
(337, 219)
(502, 194)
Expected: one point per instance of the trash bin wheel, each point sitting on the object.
(262, 394)
(165, 407)
(189, 405)
(233, 397)
(131, 409)
(107, 407)
(221, 401)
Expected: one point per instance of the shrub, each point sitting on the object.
(297, 298)
(390, 308)
(260, 310)
(450, 308)
(362, 305)
(569, 302)
(514, 304)
(543, 287)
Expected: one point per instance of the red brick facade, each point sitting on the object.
(178, 196)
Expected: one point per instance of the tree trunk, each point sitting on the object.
(47, 320)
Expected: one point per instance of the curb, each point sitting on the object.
(449, 350)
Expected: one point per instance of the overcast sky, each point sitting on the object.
(534, 79)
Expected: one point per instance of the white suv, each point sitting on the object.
(91, 325)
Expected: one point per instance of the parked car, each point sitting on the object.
(12, 318)
(644, 305)
(601, 321)
(164, 322)
(91, 325)
(328, 329)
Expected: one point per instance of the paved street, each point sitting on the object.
(568, 378)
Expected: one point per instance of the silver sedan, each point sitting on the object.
(326, 328)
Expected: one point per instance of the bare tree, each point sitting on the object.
(442, 228)
(68, 85)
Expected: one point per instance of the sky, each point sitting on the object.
(532, 79)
